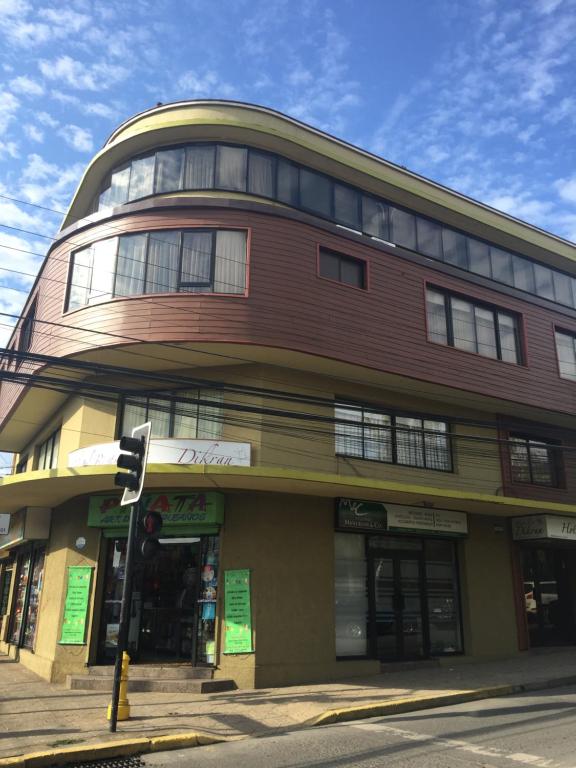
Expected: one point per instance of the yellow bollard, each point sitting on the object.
(123, 703)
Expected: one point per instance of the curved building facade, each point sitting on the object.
(361, 390)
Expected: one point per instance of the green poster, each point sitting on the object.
(237, 615)
(76, 605)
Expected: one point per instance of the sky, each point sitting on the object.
(478, 95)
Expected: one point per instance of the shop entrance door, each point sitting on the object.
(549, 592)
(172, 612)
(397, 606)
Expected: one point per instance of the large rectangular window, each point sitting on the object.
(194, 414)
(465, 324)
(411, 441)
(533, 461)
(167, 261)
(566, 351)
(48, 452)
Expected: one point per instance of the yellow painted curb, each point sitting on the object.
(411, 704)
(109, 749)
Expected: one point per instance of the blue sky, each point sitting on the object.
(476, 94)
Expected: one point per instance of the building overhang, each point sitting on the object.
(50, 488)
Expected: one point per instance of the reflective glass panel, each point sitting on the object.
(315, 192)
(231, 168)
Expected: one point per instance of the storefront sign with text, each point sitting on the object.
(165, 451)
(177, 509)
(543, 527)
(373, 517)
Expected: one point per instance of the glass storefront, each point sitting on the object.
(28, 588)
(173, 612)
(549, 580)
(396, 597)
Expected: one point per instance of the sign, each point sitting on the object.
(178, 510)
(28, 524)
(185, 452)
(544, 527)
(237, 613)
(76, 605)
(368, 516)
(371, 517)
(4, 524)
(402, 518)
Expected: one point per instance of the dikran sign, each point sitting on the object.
(166, 451)
(544, 527)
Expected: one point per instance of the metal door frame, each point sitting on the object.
(396, 555)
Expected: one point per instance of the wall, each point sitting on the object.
(488, 606)
(290, 307)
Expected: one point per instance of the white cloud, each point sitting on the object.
(9, 105)
(9, 149)
(46, 119)
(194, 85)
(10, 8)
(27, 86)
(33, 133)
(75, 74)
(567, 189)
(78, 138)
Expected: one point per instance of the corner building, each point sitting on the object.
(362, 390)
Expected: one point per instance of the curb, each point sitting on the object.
(141, 746)
(109, 749)
(416, 703)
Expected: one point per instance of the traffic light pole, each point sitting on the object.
(124, 612)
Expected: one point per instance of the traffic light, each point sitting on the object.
(151, 527)
(133, 456)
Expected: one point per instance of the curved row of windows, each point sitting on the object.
(201, 166)
(165, 261)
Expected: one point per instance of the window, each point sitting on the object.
(21, 465)
(27, 329)
(566, 351)
(344, 269)
(393, 439)
(461, 323)
(167, 261)
(245, 169)
(48, 452)
(533, 461)
(194, 414)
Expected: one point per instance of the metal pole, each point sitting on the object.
(124, 614)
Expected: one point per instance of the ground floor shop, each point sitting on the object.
(546, 560)
(262, 588)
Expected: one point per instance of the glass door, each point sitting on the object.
(397, 622)
(547, 594)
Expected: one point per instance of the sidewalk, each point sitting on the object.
(37, 716)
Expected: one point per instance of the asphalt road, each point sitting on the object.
(536, 729)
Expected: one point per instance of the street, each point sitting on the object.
(536, 729)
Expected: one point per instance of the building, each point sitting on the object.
(362, 390)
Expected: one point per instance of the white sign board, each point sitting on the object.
(544, 527)
(4, 524)
(422, 519)
(166, 451)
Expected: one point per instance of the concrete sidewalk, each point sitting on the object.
(36, 716)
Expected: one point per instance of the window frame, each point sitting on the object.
(394, 429)
(320, 249)
(51, 443)
(572, 336)
(530, 441)
(180, 283)
(26, 334)
(496, 310)
(173, 402)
